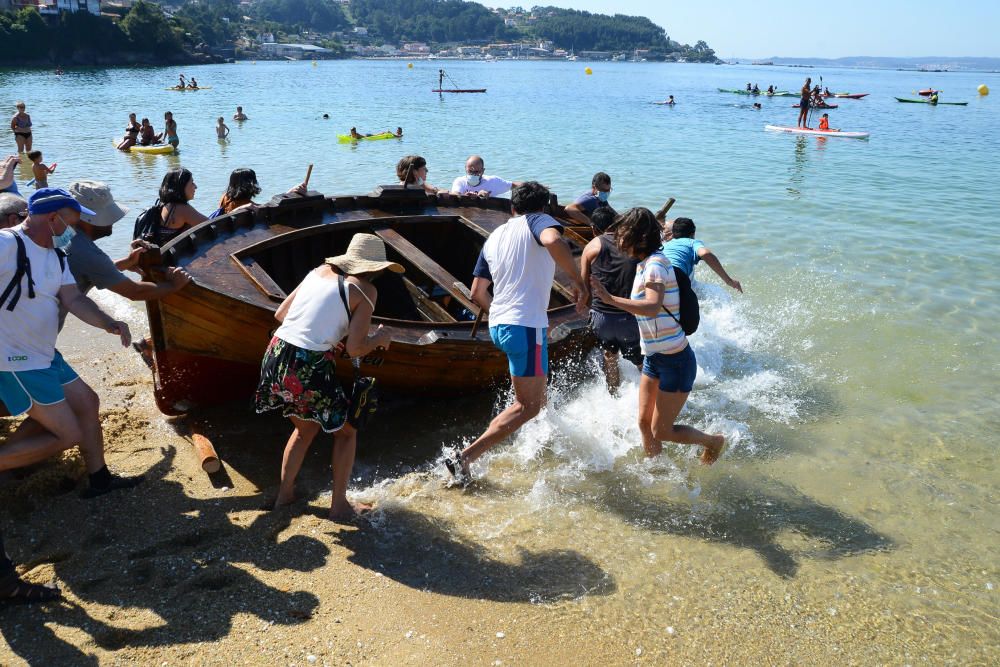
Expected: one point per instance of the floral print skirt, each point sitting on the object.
(301, 383)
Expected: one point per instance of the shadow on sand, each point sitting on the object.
(424, 553)
(751, 517)
(181, 569)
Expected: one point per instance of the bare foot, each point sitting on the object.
(348, 511)
(282, 501)
(713, 451)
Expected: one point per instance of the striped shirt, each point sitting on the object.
(660, 334)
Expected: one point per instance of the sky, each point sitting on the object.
(817, 28)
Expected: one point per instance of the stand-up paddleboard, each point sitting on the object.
(818, 106)
(954, 104)
(821, 133)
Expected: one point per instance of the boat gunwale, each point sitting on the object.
(194, 239)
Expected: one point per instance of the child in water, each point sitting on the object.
(222, 130)
(39, 170)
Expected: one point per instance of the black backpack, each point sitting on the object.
(690, 315)
(148, 224)
(23, 268)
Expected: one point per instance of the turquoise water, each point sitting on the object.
(856, 376)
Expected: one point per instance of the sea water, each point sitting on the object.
(855, 378)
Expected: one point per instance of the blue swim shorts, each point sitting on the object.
(527, 349)
(675, 372)
(20, 390)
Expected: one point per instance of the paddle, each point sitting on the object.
(309, 172)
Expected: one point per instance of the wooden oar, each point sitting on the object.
(309, 172)
(661, 215)
(468, 295)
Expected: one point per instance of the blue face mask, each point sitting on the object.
(474, 179)
(603, 196)
(63, 241)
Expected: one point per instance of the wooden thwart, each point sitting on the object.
(433, 270)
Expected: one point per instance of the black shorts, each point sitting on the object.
(617, 332)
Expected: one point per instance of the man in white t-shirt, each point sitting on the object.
(34, 378)
(476, 184)
(519, 259)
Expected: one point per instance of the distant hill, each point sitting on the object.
(922, 63)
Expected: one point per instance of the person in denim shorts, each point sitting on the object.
(669, 367)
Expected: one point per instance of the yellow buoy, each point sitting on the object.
(983, 89)
(409, 65)
(314, 63)
(588, 71)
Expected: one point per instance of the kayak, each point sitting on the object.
(956, 104)
(819, 106)
(927, 92)
(777, 93)
(848, 96)
(155, 149)
(346, 138)
(181, 90)
(821, 133)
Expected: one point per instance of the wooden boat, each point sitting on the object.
(208, 339)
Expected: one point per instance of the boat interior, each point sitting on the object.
(438, 253)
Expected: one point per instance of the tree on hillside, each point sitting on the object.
(149, 30)
(318, 15)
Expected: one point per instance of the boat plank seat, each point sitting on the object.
(432, 269)
(261, 280)
(429, 308)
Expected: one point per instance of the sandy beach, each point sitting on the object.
(188, 569)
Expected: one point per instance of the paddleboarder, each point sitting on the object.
(805, 95)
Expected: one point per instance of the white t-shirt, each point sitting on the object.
(521, 270)
(28, 333)
(495, 185)
(317, 319)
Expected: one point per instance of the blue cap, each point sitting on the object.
(48, 200)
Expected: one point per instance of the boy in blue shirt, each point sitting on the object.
(684, 251)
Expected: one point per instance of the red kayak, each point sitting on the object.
(824, 106)
(928, 92)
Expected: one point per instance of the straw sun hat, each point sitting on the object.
(365, 254)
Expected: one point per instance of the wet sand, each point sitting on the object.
(187, 569)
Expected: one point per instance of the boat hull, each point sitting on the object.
(209, 338)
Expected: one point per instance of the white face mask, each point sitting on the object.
(419, 182)
(474, 179)
(63, 241)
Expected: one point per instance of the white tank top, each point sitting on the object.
(317, 319)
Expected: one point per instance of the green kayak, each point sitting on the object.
(763, 93)
(956, 104)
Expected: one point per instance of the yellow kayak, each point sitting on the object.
(346, 138)
(156, 149)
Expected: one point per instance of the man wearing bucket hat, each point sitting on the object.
(91, 266)
(298, 374)
(34, 378)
